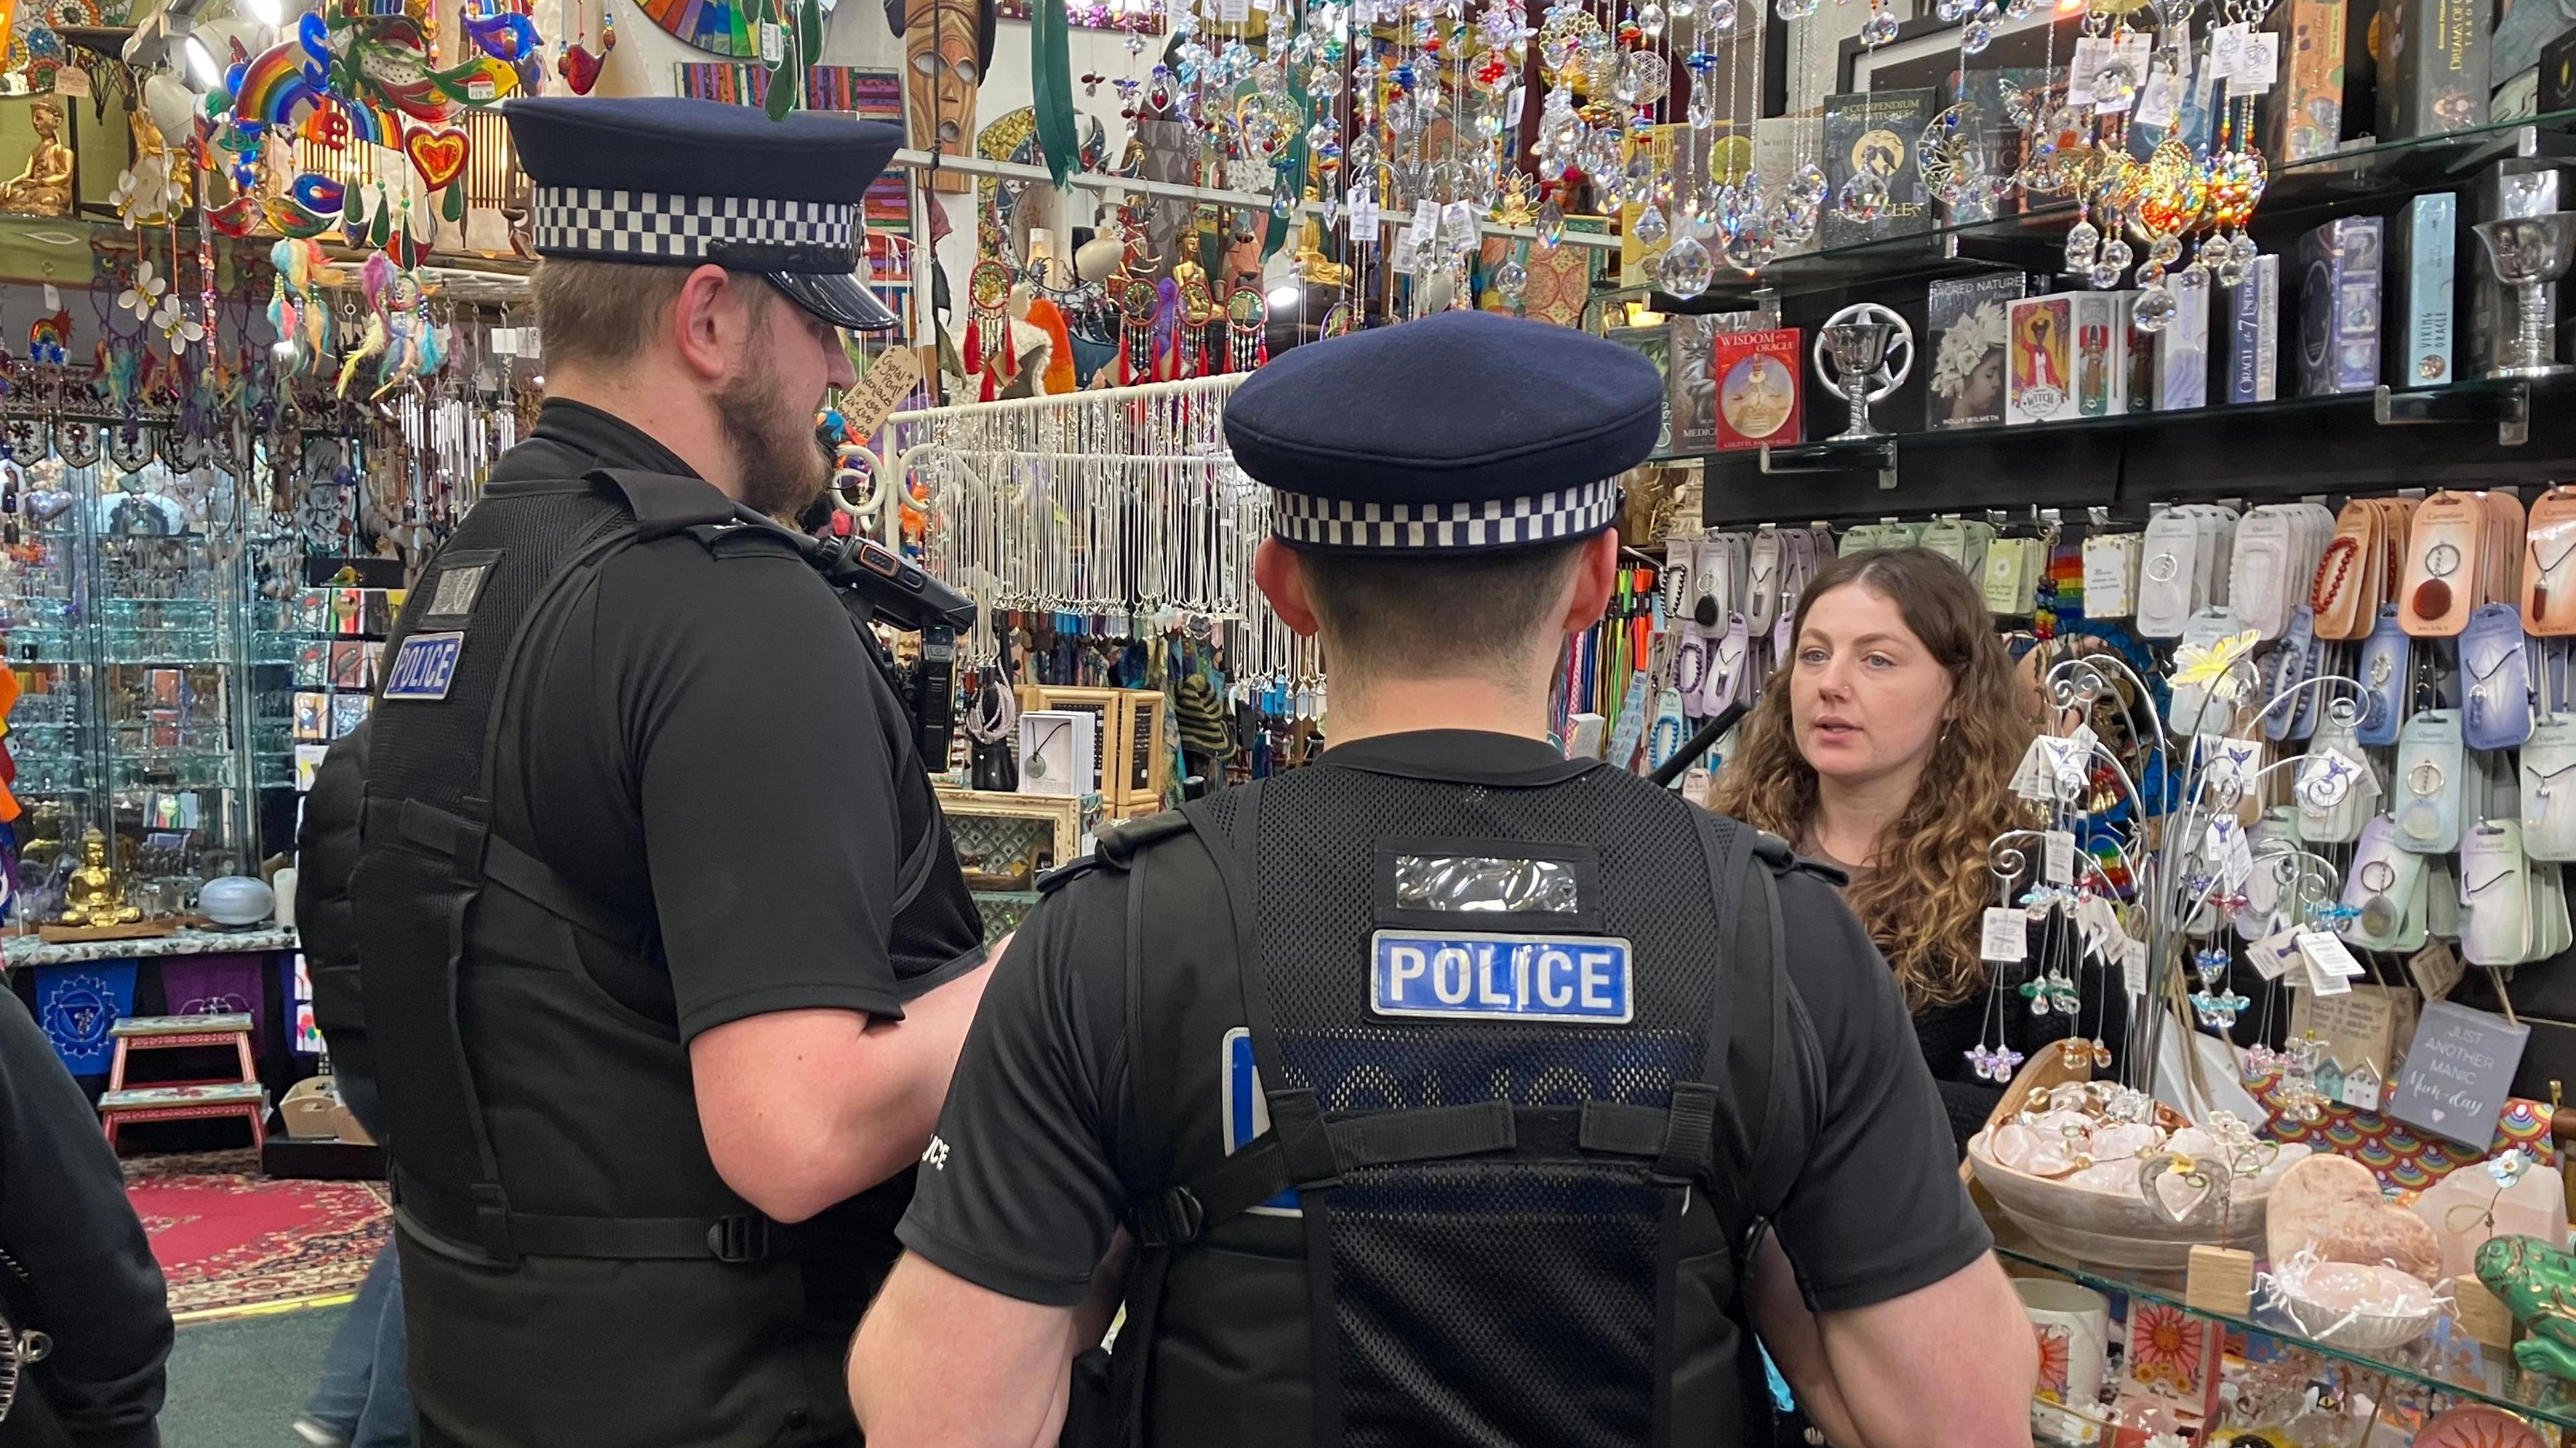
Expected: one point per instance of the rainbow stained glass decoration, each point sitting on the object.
(719, 27)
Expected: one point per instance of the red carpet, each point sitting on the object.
(230, 1239)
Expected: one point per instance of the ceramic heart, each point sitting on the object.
(2333, 1206)
(438, 153)
(2175, 1185)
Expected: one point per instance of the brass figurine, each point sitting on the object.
(94, 896)
(44, 188)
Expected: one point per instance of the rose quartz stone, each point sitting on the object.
(2333, 1205)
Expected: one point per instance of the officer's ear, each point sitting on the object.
(1276, 568)
(1594, 578)
(711, 320)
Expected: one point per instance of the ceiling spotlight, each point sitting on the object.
(202, 70)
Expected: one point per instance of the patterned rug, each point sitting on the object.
(231, 1240)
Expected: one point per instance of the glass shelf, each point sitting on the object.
(2463, 1368)
(2030, 239)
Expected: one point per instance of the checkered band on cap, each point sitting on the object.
(588, 221)
(1430, 527)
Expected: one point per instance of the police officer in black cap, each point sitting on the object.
(662, 940)
(1447, 1087)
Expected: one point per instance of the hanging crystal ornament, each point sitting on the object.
(1686, 268)
(1650, 21)
(1979, 31)
(1551, 225)
(1511, 283)
(1793, 9)
(1879, 28)
(1864, 195)
(1650, 227)
(2083, 245)
(1750, 243)
(1951, 155)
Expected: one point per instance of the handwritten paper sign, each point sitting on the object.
(2458, 1073)
(890, 379)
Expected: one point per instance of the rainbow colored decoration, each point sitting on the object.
(2401, 1159)
(719, 26)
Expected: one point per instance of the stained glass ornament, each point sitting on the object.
(2155, 307)
(1511, 282)
(1650, 226)
(1878, 29)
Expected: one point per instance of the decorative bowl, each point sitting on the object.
(2357, 1307)
(236, 900)
(2122, 1228)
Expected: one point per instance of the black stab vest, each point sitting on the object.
(575, 1269)
(1453, 1230)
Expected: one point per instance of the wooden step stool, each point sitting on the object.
(240, 1096)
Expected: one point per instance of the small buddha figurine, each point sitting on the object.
(44, 188)
(1198, 304)
(94, 895)
(1312, 265)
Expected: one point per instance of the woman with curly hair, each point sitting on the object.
(1884, 746)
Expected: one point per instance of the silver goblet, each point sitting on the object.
(1856, 349)
(2530, 254)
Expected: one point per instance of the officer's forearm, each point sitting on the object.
(1951, 1365)
(807, 1108)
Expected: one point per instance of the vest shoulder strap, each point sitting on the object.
(666, 503)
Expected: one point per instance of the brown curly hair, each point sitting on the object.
(1922, 901)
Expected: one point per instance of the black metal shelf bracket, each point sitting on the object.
(2507, 404)
(1876, 454)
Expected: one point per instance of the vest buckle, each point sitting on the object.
(1169, 1218)
(743, 1238)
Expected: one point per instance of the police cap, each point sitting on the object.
(662, 181)
(1462, 432)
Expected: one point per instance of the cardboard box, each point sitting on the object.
(2182, 348)
(1757, 388)
(2423, 264)
(2433, 66)
(1690, 399)
(2254, 333)
(2040, 382)
(1885, 125)
(2101, 353)
(2339, 306)
(1969, 321)
(2306, 107)
(1655, 344)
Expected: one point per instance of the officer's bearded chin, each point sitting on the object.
(781, 466)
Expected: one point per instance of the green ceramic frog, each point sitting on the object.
(2537, 1283)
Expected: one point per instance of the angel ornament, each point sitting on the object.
(414, 347)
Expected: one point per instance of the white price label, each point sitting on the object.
(1364, 216)
(2326, 778)
(2007, 935)
(2227, 51)
(2273, 955)
(2036, 779)
(1233, 12)
(773, 43)
(1459, 224)
(53, 299)
(2061, 857)
(1512, 110)
(2158, 105)
(2260, 65)
(2328, 961)
(1426, 219)
(2090, 52)
(2133, 965)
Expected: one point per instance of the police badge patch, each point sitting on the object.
(1579, 979)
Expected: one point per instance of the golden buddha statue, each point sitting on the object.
(44, 188)
(94, 895)
(1316, 269)
(1198, 304)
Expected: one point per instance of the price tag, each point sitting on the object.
(2436, 968)
(1459, 222)
(2227, 51)
(2036, 779)
(53, 299)
(889, 380)
(72, 81)
(2158, 105)
(2232, 762)
(2090, 52)
(1407, 256)
(2204, 82)
(2133, 965)
(2260, 65)
(2007, 935)
(1233, 12)
(1512, 107)
(2330, 966)
(2327, 777)
(1426, 220)
(773, 43)
(2273, 955)
(2061, 857)
(1364, 216)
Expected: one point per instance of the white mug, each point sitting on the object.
(2073, 1323)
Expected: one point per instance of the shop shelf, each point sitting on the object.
(2478, 1374)
(2293, 447)
(2341, 182)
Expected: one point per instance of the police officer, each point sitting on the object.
(661, 936)
(1445, 1085)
